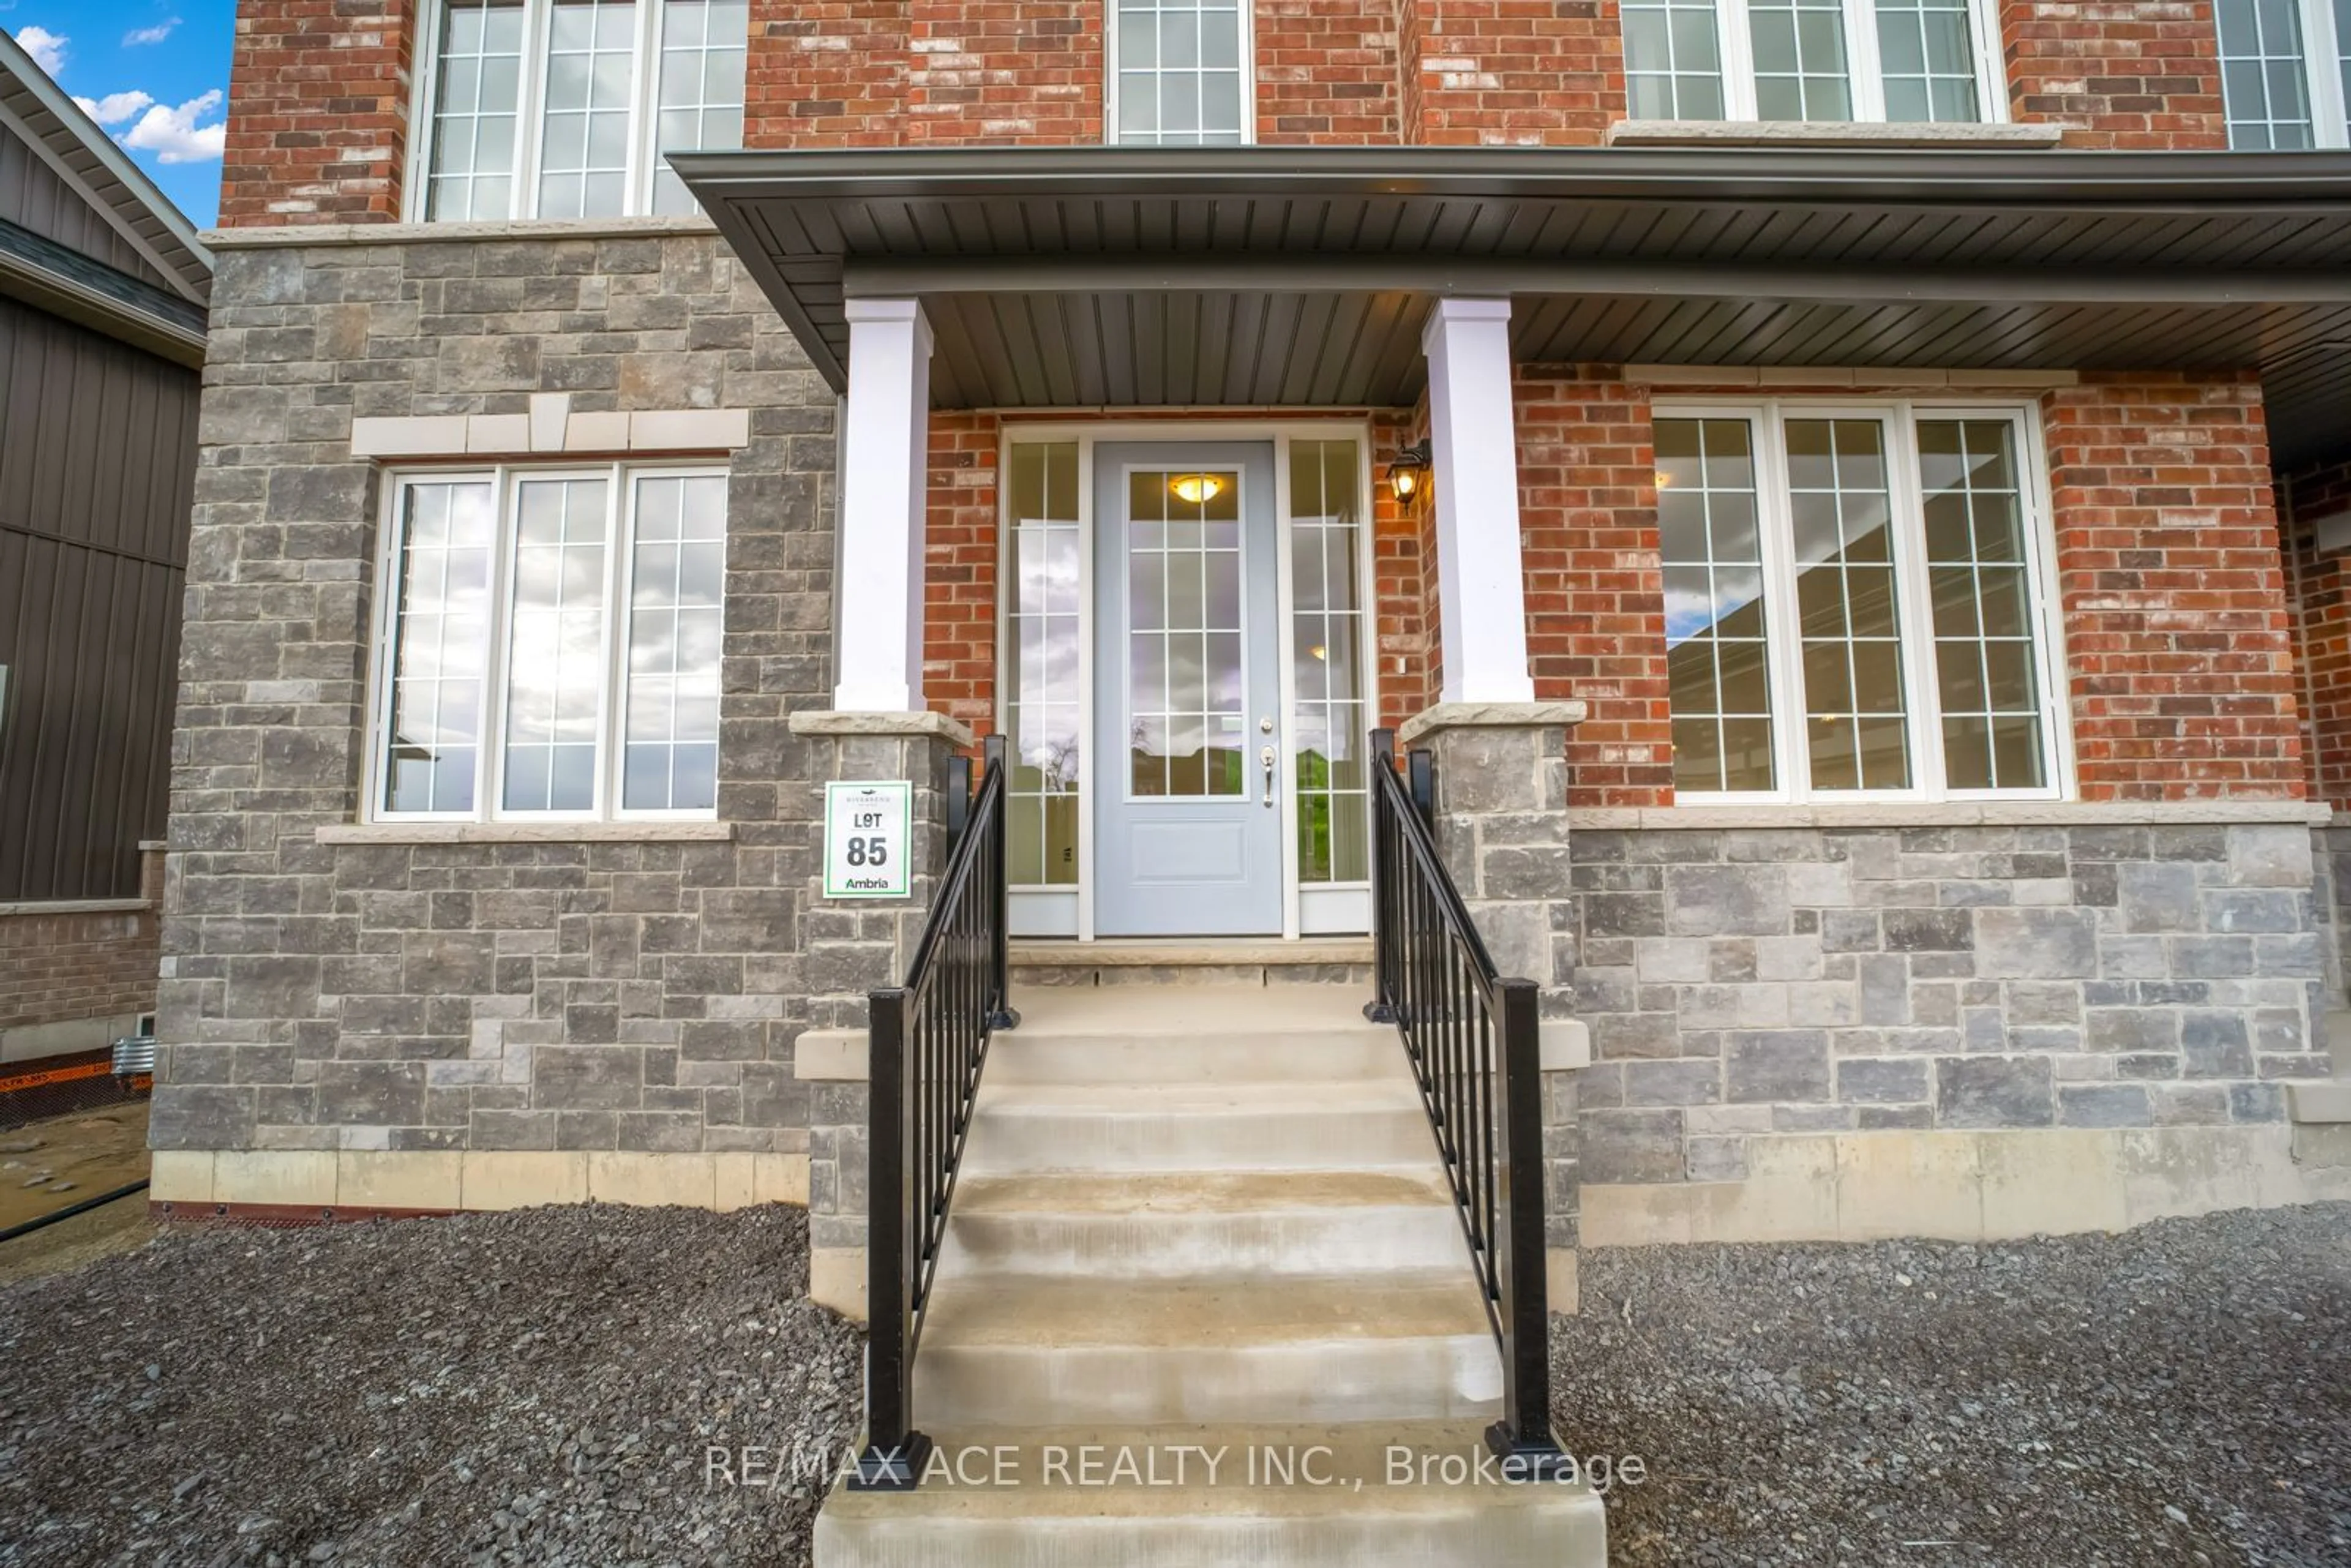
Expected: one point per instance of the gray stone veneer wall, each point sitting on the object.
(1740, 983)
(563, 994)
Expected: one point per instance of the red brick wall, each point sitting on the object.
(1503, 73)
(887, 73)
(2173, 588)
(1011, 73)
(1326, 72)
(318, 112)
(55, 969)
(2321, 586)
(959, 565)
(1404, 591)
(826, 73)
(2130, 73)
(1595, 592)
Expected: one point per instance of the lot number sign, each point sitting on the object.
(869, 831)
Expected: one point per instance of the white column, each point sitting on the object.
(1473, 460)
(877, 634)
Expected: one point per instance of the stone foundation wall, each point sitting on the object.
(1743, 983)
(593, 992)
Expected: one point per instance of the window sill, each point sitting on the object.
(522, 832)
(1828, 133)
(1950, 814)
(642, 228)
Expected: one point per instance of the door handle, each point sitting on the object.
(1266, 755)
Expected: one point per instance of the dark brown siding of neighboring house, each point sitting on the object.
(97, 470)
(34, 196)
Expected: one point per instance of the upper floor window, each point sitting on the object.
(1853, 601)
(563, 109)
(2285, 72)
(1179, 76)
(550, 644)
(1903, 61)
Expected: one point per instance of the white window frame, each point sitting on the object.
(1111, 24)
(530, 114)
(1922, 691)
(1865, 71)
(505, 481)
(2322, 76)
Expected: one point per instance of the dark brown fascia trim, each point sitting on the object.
(1997, 179)
(101, 313)
(1286, 274)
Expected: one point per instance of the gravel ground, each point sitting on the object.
(2179, 1394)
(533, 1387)
(543, 1388)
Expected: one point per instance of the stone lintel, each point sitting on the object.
(829, 721)
(1488, 715)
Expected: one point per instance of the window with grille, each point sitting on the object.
(1912, 61)
(1855, 603)
(2285, 72)
(567, 109)
(1179, 74)
(550, 644)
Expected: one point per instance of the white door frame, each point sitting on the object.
(1079, 921)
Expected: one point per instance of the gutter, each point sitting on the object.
(2004, 180)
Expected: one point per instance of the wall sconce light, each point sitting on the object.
(1408, 474)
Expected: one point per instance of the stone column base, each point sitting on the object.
(852, 947)
(1501, 825)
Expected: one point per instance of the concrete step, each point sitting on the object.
(1263, 1054)
(1196, 1126)
(1300, 1496)
(1028, 1351)
(1315, 963)
(1177, 1224)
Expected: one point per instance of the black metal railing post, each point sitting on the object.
(894, 1452)
(1000, 1013)
(1523, 1433)
(1474, 1041)
(927, 1042)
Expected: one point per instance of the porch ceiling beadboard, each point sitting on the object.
(1140, 276)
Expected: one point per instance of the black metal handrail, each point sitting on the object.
(1473, 1039)
(929, 1042)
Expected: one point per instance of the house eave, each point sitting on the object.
(1094, 274)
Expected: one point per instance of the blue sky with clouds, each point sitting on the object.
(154, 73)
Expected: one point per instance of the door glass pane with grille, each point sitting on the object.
(1048, 650)
(1326, 631)
(1187, 728)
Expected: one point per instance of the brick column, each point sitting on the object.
(850, 947)
(1501, 825)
